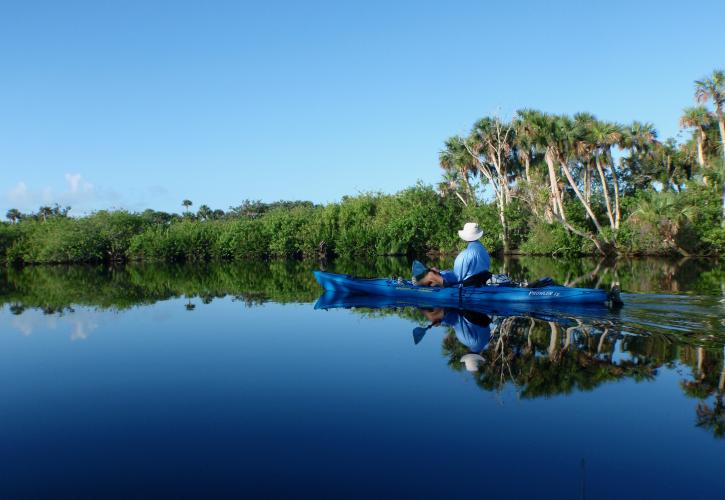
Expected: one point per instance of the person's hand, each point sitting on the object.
(435, 270)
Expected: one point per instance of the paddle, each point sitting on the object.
(419, 332)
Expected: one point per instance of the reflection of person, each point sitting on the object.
(470, 268)
(472, 328)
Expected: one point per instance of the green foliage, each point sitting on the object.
(414, 222)
(9, 233)
(551, 239)
(660, 223)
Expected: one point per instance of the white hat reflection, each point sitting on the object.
(472, 361)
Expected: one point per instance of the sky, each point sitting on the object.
(141, 104)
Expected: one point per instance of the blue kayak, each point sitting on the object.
(346, 284)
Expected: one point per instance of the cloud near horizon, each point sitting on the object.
(78, 193)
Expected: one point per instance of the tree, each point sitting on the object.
(13, 215)
(697, 117)
(671, 163)
(45, 212)
(490, 144)
(458, 167)
(536, 126)
(186, 204)
(604, 135)
(713, 89)
(639, 139)
(204, 212)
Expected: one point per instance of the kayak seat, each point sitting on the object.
(479, 279)
(542, 282)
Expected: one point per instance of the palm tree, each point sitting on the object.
(713, 89)
(525, 146)
(204, 212)
(186, 204)
(458, 165)
(605, 135)
(490, 145)
(565, 138)
(697, 117)
(586, 150)
(536, 126)
(451, 185)
(639, 139)
(13, 215)
(45, 212)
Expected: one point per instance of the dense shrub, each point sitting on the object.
(661, 223)
(413, 222)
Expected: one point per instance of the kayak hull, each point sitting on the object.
(347, 284)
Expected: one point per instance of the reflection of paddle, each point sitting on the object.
(419, 333)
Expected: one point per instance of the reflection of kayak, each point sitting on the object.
(547, 312)
(346, 284)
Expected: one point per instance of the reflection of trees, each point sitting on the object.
(635, 275)
(55, 289)
(546, 358)
(708, 385)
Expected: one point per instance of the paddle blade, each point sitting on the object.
(418, 334)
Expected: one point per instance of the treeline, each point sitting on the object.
(416, 220)
(538, 184)
(607, 186)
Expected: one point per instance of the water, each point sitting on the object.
(212, 381)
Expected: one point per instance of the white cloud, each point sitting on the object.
(77, 192)
(79, 324)
(82, 195)
(82, 328)
(19, 194)
(76, 184)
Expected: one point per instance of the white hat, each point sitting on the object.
(470, 232)
(472, 361)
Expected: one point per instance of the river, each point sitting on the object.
(240, 380)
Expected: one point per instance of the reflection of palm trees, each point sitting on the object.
(189, 306)
(545, 358)
(712, 418)
(708, 370)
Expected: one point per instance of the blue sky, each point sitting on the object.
(141, 104)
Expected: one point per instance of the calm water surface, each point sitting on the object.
(201, 381)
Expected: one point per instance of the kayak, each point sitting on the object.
(402, 289)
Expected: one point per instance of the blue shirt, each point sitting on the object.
(473, 336)
(471, 261)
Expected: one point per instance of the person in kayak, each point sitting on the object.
(469, 269)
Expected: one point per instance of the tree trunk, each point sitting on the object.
(700, 153)
(666, 182)
(579, 195)
(721, 124)
(588, 182)
(615, 181)
(554, 339)
(504, 181)
(605, 191)
(504, 224)
(557, 206)
(469, 190)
